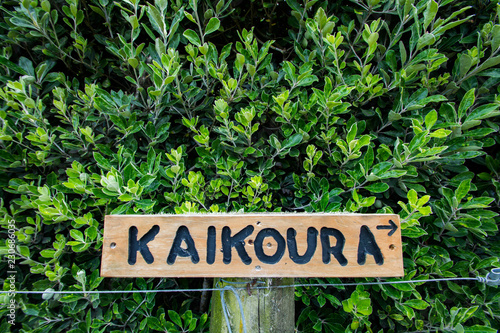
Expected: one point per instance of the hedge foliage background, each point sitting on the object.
(152, 107)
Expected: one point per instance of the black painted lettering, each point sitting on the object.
(238, 242)
(183, 235)
(312, 240)
(259, 243)
(335, 250)
(211, 245)
(368, 245)
(140, 245)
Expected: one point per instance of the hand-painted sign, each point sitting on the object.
(252, 245)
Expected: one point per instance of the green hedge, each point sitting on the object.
(155, 107)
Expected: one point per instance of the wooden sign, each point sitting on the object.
(252, 245)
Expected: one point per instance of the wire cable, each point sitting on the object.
(492, 279)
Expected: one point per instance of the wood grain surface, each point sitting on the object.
(346, 245)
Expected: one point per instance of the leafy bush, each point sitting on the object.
(213, 106)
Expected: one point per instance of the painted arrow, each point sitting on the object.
(393, 227)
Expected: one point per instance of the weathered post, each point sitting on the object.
(270, 310)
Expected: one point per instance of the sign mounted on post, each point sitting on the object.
(252, 245)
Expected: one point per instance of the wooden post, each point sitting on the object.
(270, 310)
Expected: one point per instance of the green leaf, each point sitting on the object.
(377, 187)
(101, 161)
(465, 64)
(212, 25)
(156, 19)
(483, 112)
(133, 62)
(4, 61)
(480, 329)
(307, 80)
(77, 234)
(402, 52)
(321, 300)
(292, 141)
(47, 253)
(24, 251)
(155, 324)
(487, 263)
(192, 37)
(412, 197)
(249, 150)
(174, 316)
(48, 294)
(351, 135)
(91, 233)
(98, 11)
(466, 103)
(495, 32)
(392, 174)
(430, 13)
(479, 133)
(18, 21)
(462, 190)
(440, 133)
(481, 202)
(347, 305)
(431, 99)
(418, 140)
(413, 232)
(426, 40)
(489, 63)
(70, 298)
(417, 304)
(125, 197)
(393, 116)
(381, 168)
(430, 119)
(439, 31)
